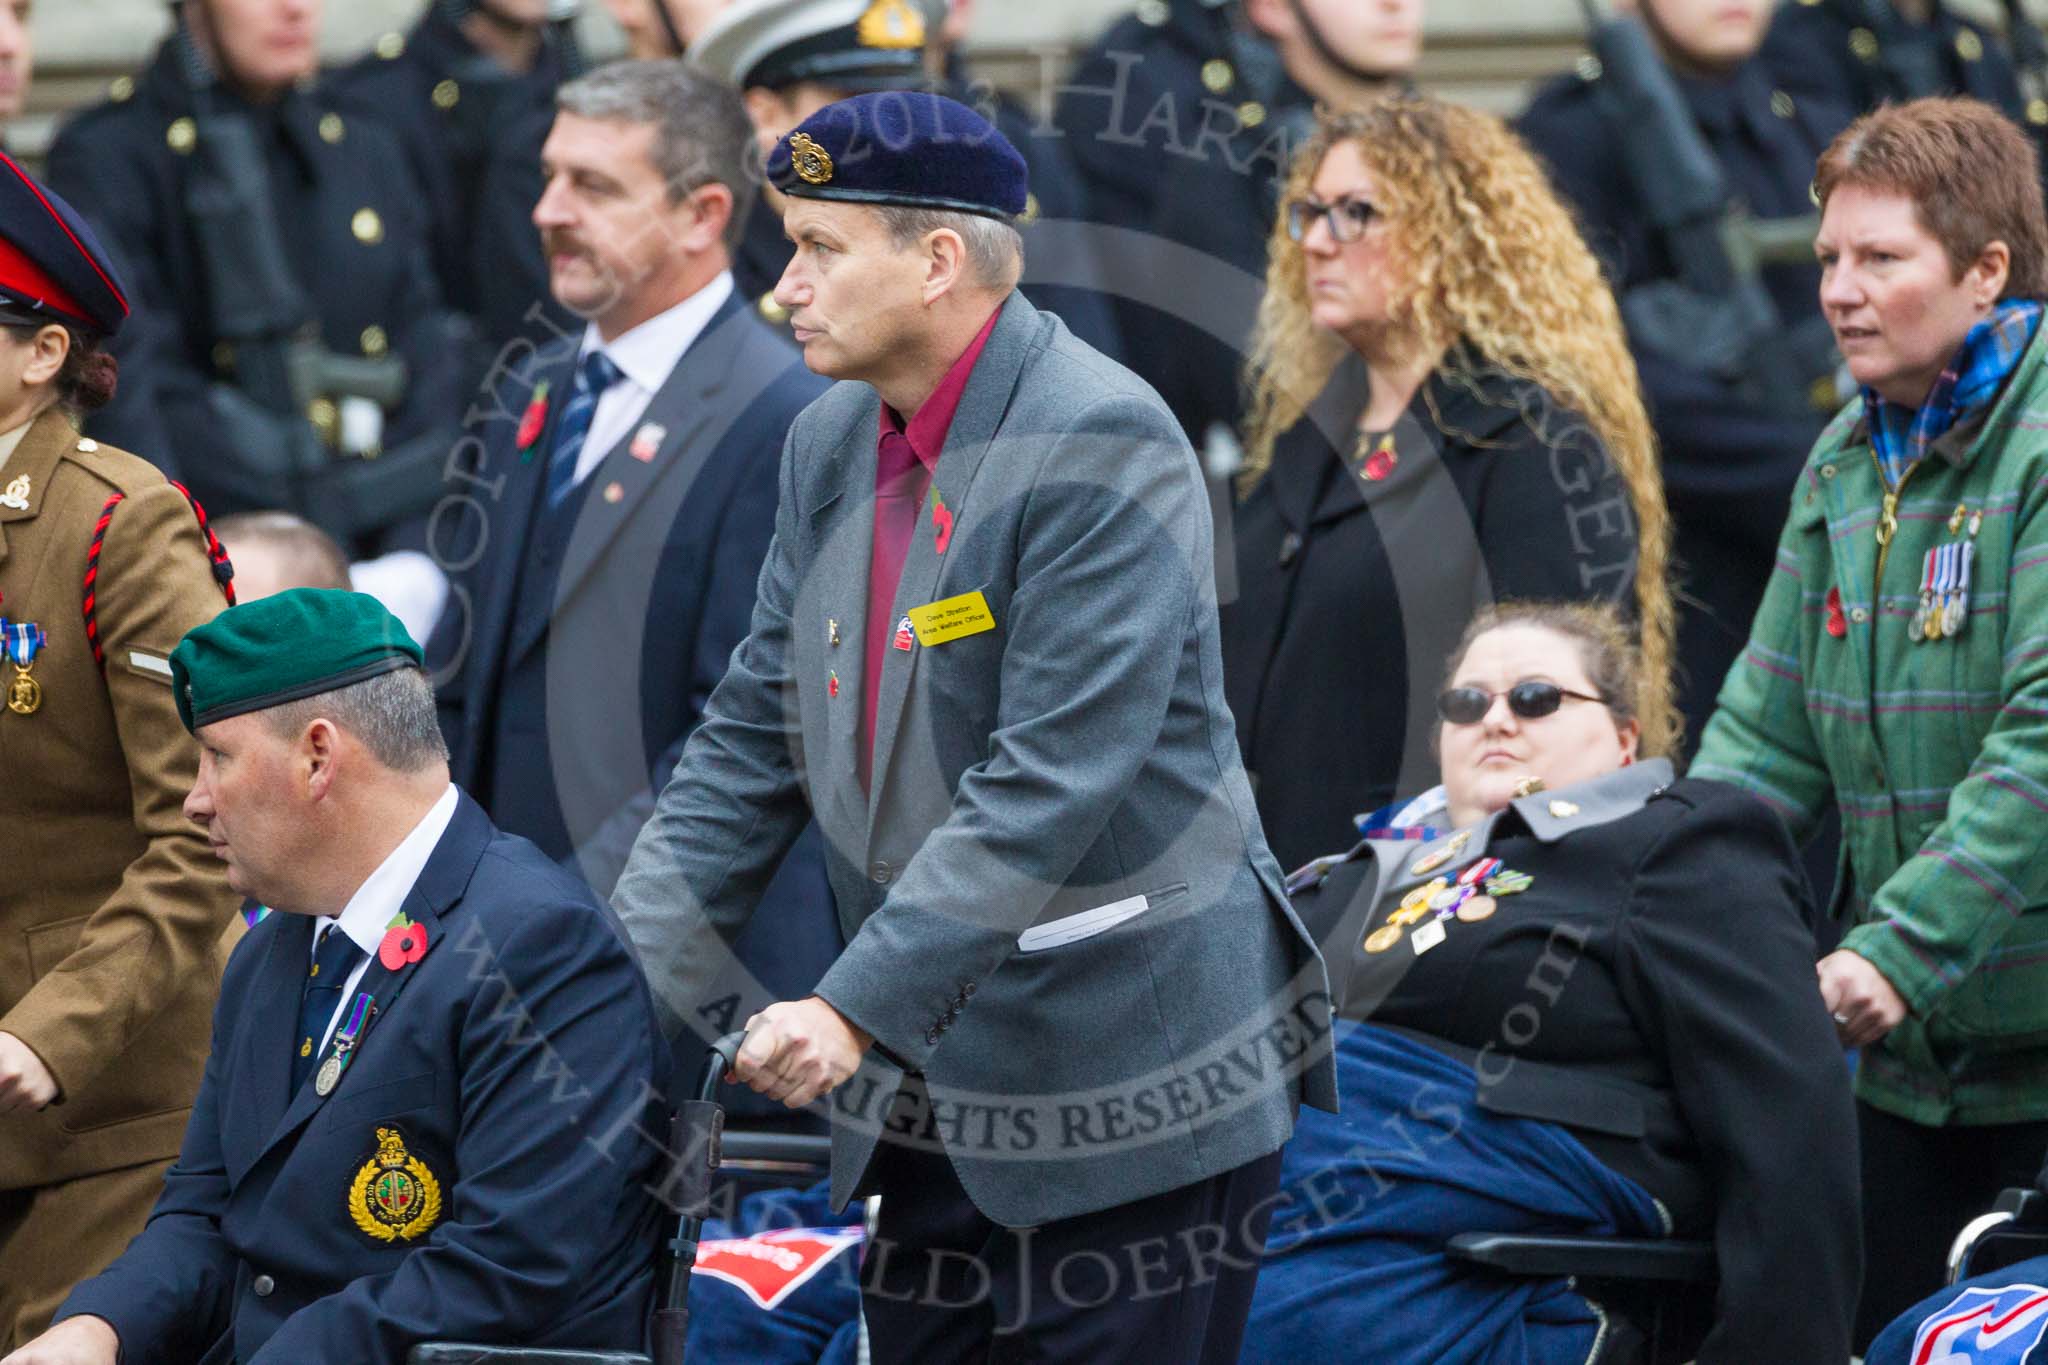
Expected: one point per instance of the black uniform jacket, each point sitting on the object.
(472, 133)
(355, 237)
(1825, 49)
(1653, 991)
(1728, 469)
(1352, 591)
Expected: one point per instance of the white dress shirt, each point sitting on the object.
(646, 356)
(382, 895)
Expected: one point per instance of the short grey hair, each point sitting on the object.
(995, 249)
(702, 135)
(392, 714)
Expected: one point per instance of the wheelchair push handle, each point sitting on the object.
(723, 1057)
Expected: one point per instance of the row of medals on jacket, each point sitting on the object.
(1473, 895)
(1945, 575)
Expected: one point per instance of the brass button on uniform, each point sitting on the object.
(1251, 113)
(2037, 112)
(391, 46)
(325, 417)
(1030, 208)
(121, 89)
(1217, 75)
(224, 357)
(1154, 13)
(771, 310)
(87, 445)
(375, 343)
(1863, 44)
(447, 95)
(1782, 105)
(367, 226)
(1589, 68)
(1969, 46)
(332, 129)
(183, 136)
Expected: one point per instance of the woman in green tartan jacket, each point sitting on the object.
(1899, 665)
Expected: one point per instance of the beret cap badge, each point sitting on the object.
(812, 163)
(891, 24)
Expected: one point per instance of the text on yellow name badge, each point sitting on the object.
(952, 617)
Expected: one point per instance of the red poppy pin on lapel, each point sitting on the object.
(1838, 625)
(404, 941)
(942, 522)
(533, 420)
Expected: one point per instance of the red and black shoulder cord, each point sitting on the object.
(223, 572)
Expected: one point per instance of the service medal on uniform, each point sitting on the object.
(23, 641)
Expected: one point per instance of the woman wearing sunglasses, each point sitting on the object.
(1581, 1002)
(1444, 413)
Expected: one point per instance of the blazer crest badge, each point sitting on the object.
(394, 1197)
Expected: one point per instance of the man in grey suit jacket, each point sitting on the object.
(1074, 1000)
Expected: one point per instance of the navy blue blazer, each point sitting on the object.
(516, 1065)
(578, 651)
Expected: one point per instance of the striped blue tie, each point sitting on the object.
(596, 374)
(334, 958)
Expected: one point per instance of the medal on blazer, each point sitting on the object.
(345, 1039)
(394, 1197)
(904, 635)
(1430, 862)
(1383, 938)
(23, 640)
(942, 522)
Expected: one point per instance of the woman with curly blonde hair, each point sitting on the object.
(1444, 413)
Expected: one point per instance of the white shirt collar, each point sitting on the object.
(648, 353)
(369, 912)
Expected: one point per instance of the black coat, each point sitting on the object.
(355, 241)
(1352, 591)
(1728, 469)
(472, 134)
(1822, 49)
(1661, 960)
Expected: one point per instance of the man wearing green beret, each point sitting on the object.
(430, 1068)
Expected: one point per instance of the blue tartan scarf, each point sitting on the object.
(1901, 435)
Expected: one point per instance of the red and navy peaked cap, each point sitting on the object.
(52, 268)
(904, 147)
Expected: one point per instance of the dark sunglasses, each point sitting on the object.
(1347, 218)
(1529, 700)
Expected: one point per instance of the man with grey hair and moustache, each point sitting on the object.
(626, 479)
(1075, 1015)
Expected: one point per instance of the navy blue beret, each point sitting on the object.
(904, 147)
(52, 268)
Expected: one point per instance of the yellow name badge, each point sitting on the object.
(952, 617)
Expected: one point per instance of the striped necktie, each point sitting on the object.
(334, 958)
(596, 374)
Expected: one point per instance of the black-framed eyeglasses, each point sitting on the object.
(1529, 700)
(1347, 219)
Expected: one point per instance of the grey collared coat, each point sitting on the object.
(1075, 756)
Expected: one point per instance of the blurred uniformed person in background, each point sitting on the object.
(661, 28)
(468, 91)
(1861, 53)
(300, 356)
(110, 906)
(1730, 450)
(1220, 193)
(791, 58)
(17, 61)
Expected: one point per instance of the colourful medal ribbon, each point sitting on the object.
(23, 639)
(352, 1028)
(1479, 871)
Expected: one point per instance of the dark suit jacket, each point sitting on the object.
(514, 1063)
(573, 665)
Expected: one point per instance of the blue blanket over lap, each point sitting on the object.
(1354, 1264)
(818, 1324)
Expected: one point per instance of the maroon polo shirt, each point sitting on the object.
(906, 454)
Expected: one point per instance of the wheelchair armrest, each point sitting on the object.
(458, 1353)
(2018, 1219)
(1592, 1258)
